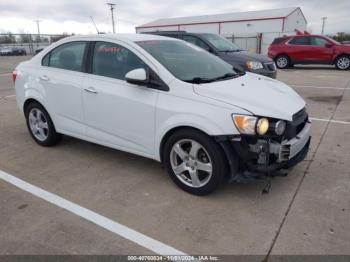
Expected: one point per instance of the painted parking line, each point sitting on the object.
(319, 87)
(104, 222)
(8, 96)
(330, 120)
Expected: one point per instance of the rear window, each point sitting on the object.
(278, 40)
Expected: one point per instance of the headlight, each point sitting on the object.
(263, 126)
(254, 65)
(245, 124)
(280, 127)
(251, 125)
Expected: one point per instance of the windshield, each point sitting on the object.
(188, 62)
(222, 44)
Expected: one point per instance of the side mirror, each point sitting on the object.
(137, 77)
(328, 45)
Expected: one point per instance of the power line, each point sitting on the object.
(112, 12)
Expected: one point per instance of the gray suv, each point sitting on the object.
(240, 59)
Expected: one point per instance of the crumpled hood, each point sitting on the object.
(259, 95)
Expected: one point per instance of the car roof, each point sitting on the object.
(176, 33)
(122, 37)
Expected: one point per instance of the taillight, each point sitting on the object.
(14, 76)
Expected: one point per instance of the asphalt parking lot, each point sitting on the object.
(306, 213)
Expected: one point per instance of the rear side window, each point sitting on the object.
(115, 61)
(68, 56)
(300, 40)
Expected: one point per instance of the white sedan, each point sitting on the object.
(167, 100)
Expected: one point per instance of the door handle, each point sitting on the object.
(90, 90)
(44, 78)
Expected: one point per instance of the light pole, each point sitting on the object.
(38, 26)
(324, 19)
(112, 12)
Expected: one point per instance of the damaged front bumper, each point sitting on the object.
(252, 158)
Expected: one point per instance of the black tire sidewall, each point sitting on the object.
(53, 137)
(216, 155)
(288, 61)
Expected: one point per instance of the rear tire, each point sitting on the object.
(40, 125)
(282, 61)
(343, 62)
(194, 161)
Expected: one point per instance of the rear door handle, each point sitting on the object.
(90, 90)
(44, 78)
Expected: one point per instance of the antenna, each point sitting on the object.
(92, 19)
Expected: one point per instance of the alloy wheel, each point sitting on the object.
(282, 62)
(343, 63)
(38, 124)
(191, 163)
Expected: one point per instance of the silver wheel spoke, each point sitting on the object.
(39, 116)
(194, 178)
(31, 118)
(41, 133)
(180, 152)
(178, 170)
(44, 125)
(207, 167)
(194, 149)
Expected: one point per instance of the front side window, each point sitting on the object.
(196, 41)
(188, 62)
(300, 40)
(222, 44)
(115, 61)
(318, 41)
(68, 56)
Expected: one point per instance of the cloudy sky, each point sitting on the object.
(73, 16)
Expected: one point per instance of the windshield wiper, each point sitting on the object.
(231, 51)
(225, 76)
(199, 80)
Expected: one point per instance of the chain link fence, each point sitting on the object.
(29, 42)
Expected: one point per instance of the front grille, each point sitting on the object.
(270, 66)
(299, 121)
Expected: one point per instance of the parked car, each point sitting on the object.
(13, 51)
(167, 100)
(346, 42)
(309, 49)
(230, 52)
(19, 51)
(5, 51)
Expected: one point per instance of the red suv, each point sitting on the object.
(309, 49)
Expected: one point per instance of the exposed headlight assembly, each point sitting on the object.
(280, 127)
(254, 65)
(251, 125)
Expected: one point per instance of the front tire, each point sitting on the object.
(343, 62)
(194, 161)
(282, 62)
(40, 125)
